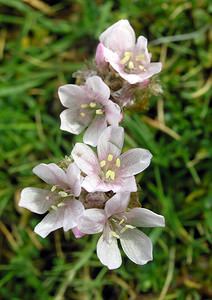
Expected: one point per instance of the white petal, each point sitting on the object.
(125, 184)
(85, 158)
(71, 95)
(141, 46)
(134, 161)
(119, 37)
(117, 204)
(109, 253)
(98, 89)
(51, 174)
(92, 221)
(110, 142)
(94, 130)
(72, 122)
(36, 200)
(113, 113)
(74, 179)
(142, 217)
(72, 211)
(52, 221)
(137, 246)
(91, 183)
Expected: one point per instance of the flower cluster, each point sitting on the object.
(91, 190)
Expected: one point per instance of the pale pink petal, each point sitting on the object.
(113, 113)
(71, 95)
(51, 174)
(119, 37)
(85, 158)
(94, 130)
(36, 200)
(77, 233)
(52, 221)
(99, 57)
(117, 204)
(91, 183)
(74, 179)
(110, 142)
(98, 89)
(141, 47)
(92, 221)
(134, 161)
(142, 217)
(109, 253)
(137, 246)
(124, 184)
(73, 210)
(72, 122)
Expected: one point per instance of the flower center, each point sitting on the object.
(133, 62)
(59, 196)
(110, 167)
(118, 225)
(91, 108)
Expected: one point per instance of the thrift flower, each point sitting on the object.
(110, 170)
(129, 58)
(88, 107)
(60, 203)
(119, 223)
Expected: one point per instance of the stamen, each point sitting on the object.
(47, 198)
(110, 175)
(102, 163)
(122, 221)
(82, 114)
(115, 234)
(92, 104)
(54, 207)
(139, 57)
(99, 112)
(142, 68)
(53, 188)
(128, 226)
(84, 105)
(61, 204)
(131, 65)
(63, 194)
(126, 57)
(118, 162)
(110, 157)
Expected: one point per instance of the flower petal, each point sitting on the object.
(141, 47)
(72, 95)
(91, 183)
(95, 129)
(51, 174)
(113, 113)
(74, 179)
(85, 158)
(72, 122)
(109, 253)
(125, 184)
(99, 57)
(134, 161)
(137, 246)
(36, 200)
(110, 142)
(73, 210)
(117, 204)
(92, 221)
(77, 233)
(52, 221)
(98, 89)
(119, 37)
(142, 217)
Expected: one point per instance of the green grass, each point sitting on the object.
(40, 48)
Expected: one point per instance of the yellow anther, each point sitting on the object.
(99, 112)
(54, 207)
(110, 157)
(126, 57)
(131, 65)
(102, 163)
(142, 68)
(110, 175)
(53, 188)
(139, 57)
(84, 105)
(62, 194)
(122, 221)
(92, 104)
(118, 163)
(115, 234)
(130, 226)
(82, 114)
(61, 204)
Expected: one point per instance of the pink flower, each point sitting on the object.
(118, 223)
(88, 106)
(60, 203)
(110, 170)
(129, 58)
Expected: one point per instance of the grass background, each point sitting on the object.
(41, 44)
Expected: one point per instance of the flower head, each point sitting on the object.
(129, 58)
(110, 170)
(88, 106)
(60, 203)
(118, 223)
